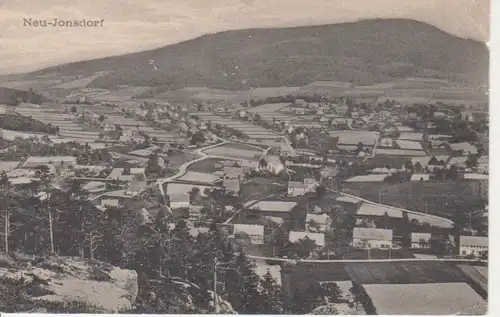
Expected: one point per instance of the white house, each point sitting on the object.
(318, 238)
(420, 240)
(195, 212)
(109, 203)
(372, 238)
(473, 245)
(318, 222)
(255, 232)
(179, 201)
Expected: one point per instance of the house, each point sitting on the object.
(386, 142)
(34, 161)
(126, 175)
(195, 212)
(341, 110)
(473, 245)
(318, 222)
(439, 115)
(420, 240)
(296, 189)
(280, 209)
(179, 200)
(110, 202)
(242, 114)
(318, 238)
(232, 186)
(372, 238)
(300, 111)
(255, 232)
(463, 148)
(203, 126)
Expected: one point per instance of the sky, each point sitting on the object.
(136, 25)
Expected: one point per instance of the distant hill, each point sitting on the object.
(14, 96)
(362, 52)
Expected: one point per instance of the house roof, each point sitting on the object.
(281, 206)
(476, 176)
(347, 199)
(318, 238)
(199, 177)
(367, 209)
(318, 218)
(463, 146)
(474, 241)
(178, 197)
(372, 234)
(249, 229)
(418, 236)
(110, 202)
(439, 299)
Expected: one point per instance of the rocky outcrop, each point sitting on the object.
(53, 281)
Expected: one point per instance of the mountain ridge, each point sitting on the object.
(363, 52)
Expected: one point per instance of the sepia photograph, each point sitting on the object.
(319, 157)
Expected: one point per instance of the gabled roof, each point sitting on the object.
(318, 218)
(249, 229)
(318, 238)
(474, 241)
(372, 234)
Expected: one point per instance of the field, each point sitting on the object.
(350, 137)
(237, 151)
(252, 131)
(178, 189)
(68, 129)
(78, 83)
(356, 254)
(403, 272)
(435, 198)
(268, 108)
(205, 166)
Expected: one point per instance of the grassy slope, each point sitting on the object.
(362, 52)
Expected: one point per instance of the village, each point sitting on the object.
(327, 171)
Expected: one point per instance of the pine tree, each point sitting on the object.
(242, 286)
(272, 295)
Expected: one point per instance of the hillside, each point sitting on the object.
(362, 52)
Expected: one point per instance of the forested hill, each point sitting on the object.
(12, 97)
(362, 52)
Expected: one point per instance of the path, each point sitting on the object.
(366, 260)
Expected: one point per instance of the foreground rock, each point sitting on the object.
(59, 282)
